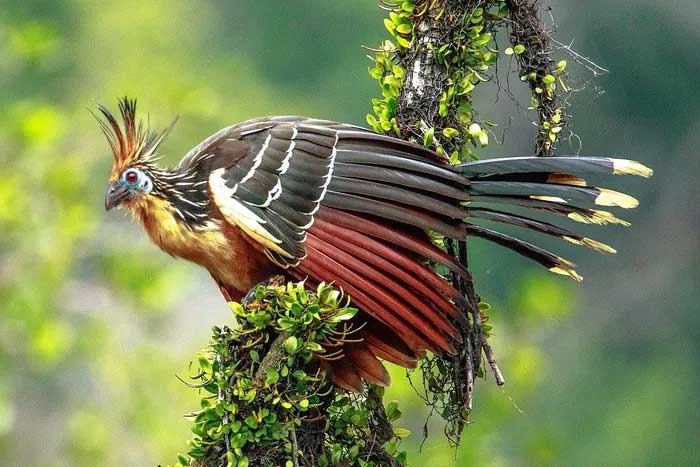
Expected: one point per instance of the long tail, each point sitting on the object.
(369, 234)
(401, 182)
(553, 184)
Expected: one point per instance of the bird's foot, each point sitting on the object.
(275, 280)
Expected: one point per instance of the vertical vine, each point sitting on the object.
(533, 53)
(439, 52)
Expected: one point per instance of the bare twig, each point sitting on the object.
(586, 62)
(492, 363)
(295, 447)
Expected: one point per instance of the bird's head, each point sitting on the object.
(133, 179)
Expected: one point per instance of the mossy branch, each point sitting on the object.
(265, 399)
(534, 55)
(275, 354)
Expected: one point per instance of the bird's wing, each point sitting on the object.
(268, 177)
(360, 203)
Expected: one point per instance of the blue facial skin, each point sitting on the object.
(140, 185)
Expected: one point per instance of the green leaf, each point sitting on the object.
(273, 377)
(204, 363)
(561, 66)
(343, 315)
(237, 308)
(389, 25)
(375, 72)
(509, 51)
(518, 49)
(403, 42)
(392, 411)
(372, 121)
(404, 28)
(291, 344)
(548, 79)
(443, 109)
(402, 432)
(450, 132)
(236, 426)
(251, 422)
(429, 137)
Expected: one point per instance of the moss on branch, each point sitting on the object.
(265, 400)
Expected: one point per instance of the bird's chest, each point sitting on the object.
(216, 246)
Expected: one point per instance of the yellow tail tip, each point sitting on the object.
(627, 167)
(565, 270)
(594, 216)
(615, 198)
(592, 244)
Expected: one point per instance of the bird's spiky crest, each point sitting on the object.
(131, 142)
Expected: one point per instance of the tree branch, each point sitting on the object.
(273, 358)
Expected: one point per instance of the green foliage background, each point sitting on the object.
(95, 321)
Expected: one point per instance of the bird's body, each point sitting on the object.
(324, 201)
(215, 246)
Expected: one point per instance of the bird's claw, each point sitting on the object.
(250, 296)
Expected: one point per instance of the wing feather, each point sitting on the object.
(273, 188)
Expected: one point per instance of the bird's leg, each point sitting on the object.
(276, 280)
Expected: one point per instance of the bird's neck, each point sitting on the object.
(211, 243)
(186, 195)
(174, 211)
(166, 228)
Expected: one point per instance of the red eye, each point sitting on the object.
(131, 177)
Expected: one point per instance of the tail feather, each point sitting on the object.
(554, 192)
(551, 184)
(547, 259)
(576, 165)
(539, 226)
(377, 177)
(575, 213)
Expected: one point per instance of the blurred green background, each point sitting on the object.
(95, 321)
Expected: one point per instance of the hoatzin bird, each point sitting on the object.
(326, 201)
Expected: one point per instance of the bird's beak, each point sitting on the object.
(115, 195)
